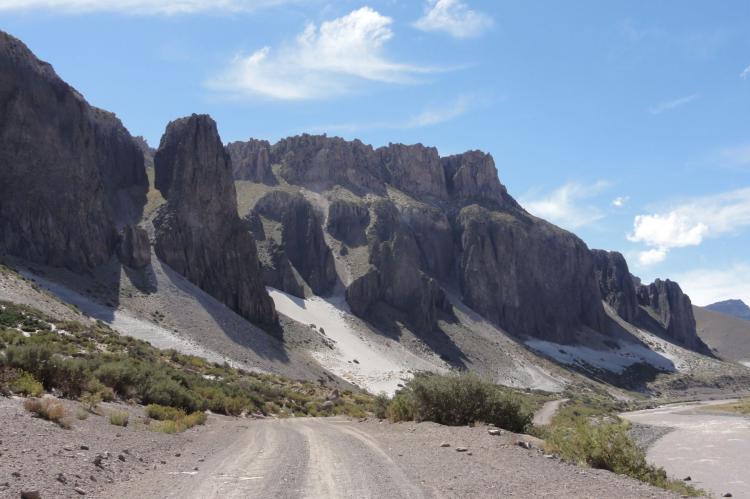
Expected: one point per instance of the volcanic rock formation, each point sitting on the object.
(198, 231)
(70, 172)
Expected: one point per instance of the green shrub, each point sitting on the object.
(607, 446)
(162, 413)
(459, 399)
(173, 420)
(26, 384)
(119, 418)
(380, 406)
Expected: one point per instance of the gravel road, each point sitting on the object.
(544, 415)
(337, 458)
(711, 448)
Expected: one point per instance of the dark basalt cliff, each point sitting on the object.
(70, 173)
(429, 222)
(616, 283)
(251, 161)
(198, 231)
(660, 307)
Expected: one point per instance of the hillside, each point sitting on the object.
(735, 308)
(728, 337)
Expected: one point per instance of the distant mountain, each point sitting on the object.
(735, 308)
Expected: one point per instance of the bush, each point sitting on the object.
(49, 409)
(119, 418)
(459, 399)
(26, 384)
(607, 446)
(380, 406)
(173, 420)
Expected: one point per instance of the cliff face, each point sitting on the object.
(616, 283)
(251, 161)
(673, 310)
(660, 306)
(425, 222)
(198, 231)
(70, 173)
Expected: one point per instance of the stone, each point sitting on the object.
(687, 478)
(461, 449)
(61, 478)
(524, 444)
(494, 431)
(30, 494)
(328, 404)
(134, 249)
(198, 231)
(445, 444)
(726, 494)
(79, 491)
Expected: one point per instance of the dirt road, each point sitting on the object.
(544, 415)
(339, 458)
(711, 448)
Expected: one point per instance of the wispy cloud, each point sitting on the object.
(430, 116)
(745, 73)
(322, 61)
(673, 104)
(620, 201)
(736, 155)
(706, 286)
(139, 7)
(567, 206)
(453, 17)
(690, 223)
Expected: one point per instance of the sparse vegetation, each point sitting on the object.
(25, 384)
(49, 409)
(119, 418)
(588, 432)
(93, 363)
(171, 420)
(740, 407)
(460, 399)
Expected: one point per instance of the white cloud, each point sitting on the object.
(690, 223)
(745, 73)
(620, 201)
(652, 256)
(673, 104)
(706, 286)
(138, 7)
(453, 17)
(321, 62)
(566, 205)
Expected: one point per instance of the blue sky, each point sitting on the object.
(626, 122)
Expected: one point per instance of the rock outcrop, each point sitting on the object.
(414, 169)
(673, 310)
(395, 276)
(251, 161)
(134, 250)
(198, 231)
(302, 240)
(616, 284)
(69, 173)
(527, 275)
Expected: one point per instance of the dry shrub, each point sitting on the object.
(49, 409)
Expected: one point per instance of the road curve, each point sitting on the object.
(544, 415)
(711, 448)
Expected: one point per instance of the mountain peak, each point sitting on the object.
(735, 308)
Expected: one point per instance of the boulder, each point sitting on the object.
(198, 232)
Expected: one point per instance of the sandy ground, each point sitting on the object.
(361, 356)
(342, 458)
(711, 448)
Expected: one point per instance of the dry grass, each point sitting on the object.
(740, 407)
(49, 409)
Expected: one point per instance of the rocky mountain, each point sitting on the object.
(406, 225)
(198, 232)
(71, 173)
(735, 308)
(659, 307)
